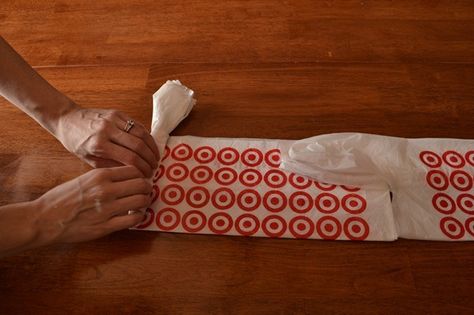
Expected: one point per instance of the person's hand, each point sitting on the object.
(97, 137)
(92, 205)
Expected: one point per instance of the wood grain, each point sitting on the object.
(270, 69)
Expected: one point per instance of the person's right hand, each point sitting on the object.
(92, 205)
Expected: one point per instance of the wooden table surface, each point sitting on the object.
(270, 69)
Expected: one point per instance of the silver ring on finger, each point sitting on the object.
(129, 125)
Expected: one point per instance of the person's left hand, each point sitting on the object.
(97, 137)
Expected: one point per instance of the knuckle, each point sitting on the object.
(102, 125)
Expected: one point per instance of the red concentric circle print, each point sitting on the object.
(301, 202)
(356, 229)
(247, 224)
(443, 203)
(354, 204)
(248, 200)
(228, 156)
(155, 193)
(430, 159)
(326, 203)
(299, 182)
(204, 154)
(461, 180)
(437, 180)
(159, 173)
(452, 228)
(250, 177)
(149, 218)
(274, 226)
(225, 176)
(470, 226)
(172, 194)
(182, 152)
(166, 154)
(223, 198)
(177, 172)
(201, 174)
(274, 201)
(167, 219)
(273, 158)
(197, 197)
(220, 223)
(252, 157)
(275, 178)
(324, 186)
(194, 221)
(350, 188)
(301, 227)
(465, 202)
(328, 228)
(470, 157)
(453, 159)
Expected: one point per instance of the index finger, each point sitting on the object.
(122, 173)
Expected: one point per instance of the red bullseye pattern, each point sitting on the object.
(430, 159)
(356, 229)
(243, 192)
(205, 154)
(299, 182)
(247, 224)
(456, 181)
(452, 228)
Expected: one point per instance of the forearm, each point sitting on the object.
(18, 228)
(25, 88)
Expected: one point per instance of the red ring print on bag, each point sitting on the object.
(223, 198)
(167, 219)
(247, 224)
(220, 223)
(252, 157)
(461, 180)
(228, 156)
(201, 174)
(465, 202)
(324, 186)
(274, 201)
(155, 193)
(193, 221)
(166, 154)
(275, 178)
(204, 154)
(452, 228)
(299, 182)
(301, 202)
(443, 203)
(356, 229)
(159, 173)
(354, 204)
(248, 200)
(172, 194)
(149, 218)
(470, 157)
(470, 226)
(301, 227)
(453, 159)
(197, 197)
(328, 228)
(182, 152)
(326, 203)
(274, 226)
(273, 158)
(177, 172)
(350, 188)
(437, 180)
(225, 176)
(430, 159)
(250, 177)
